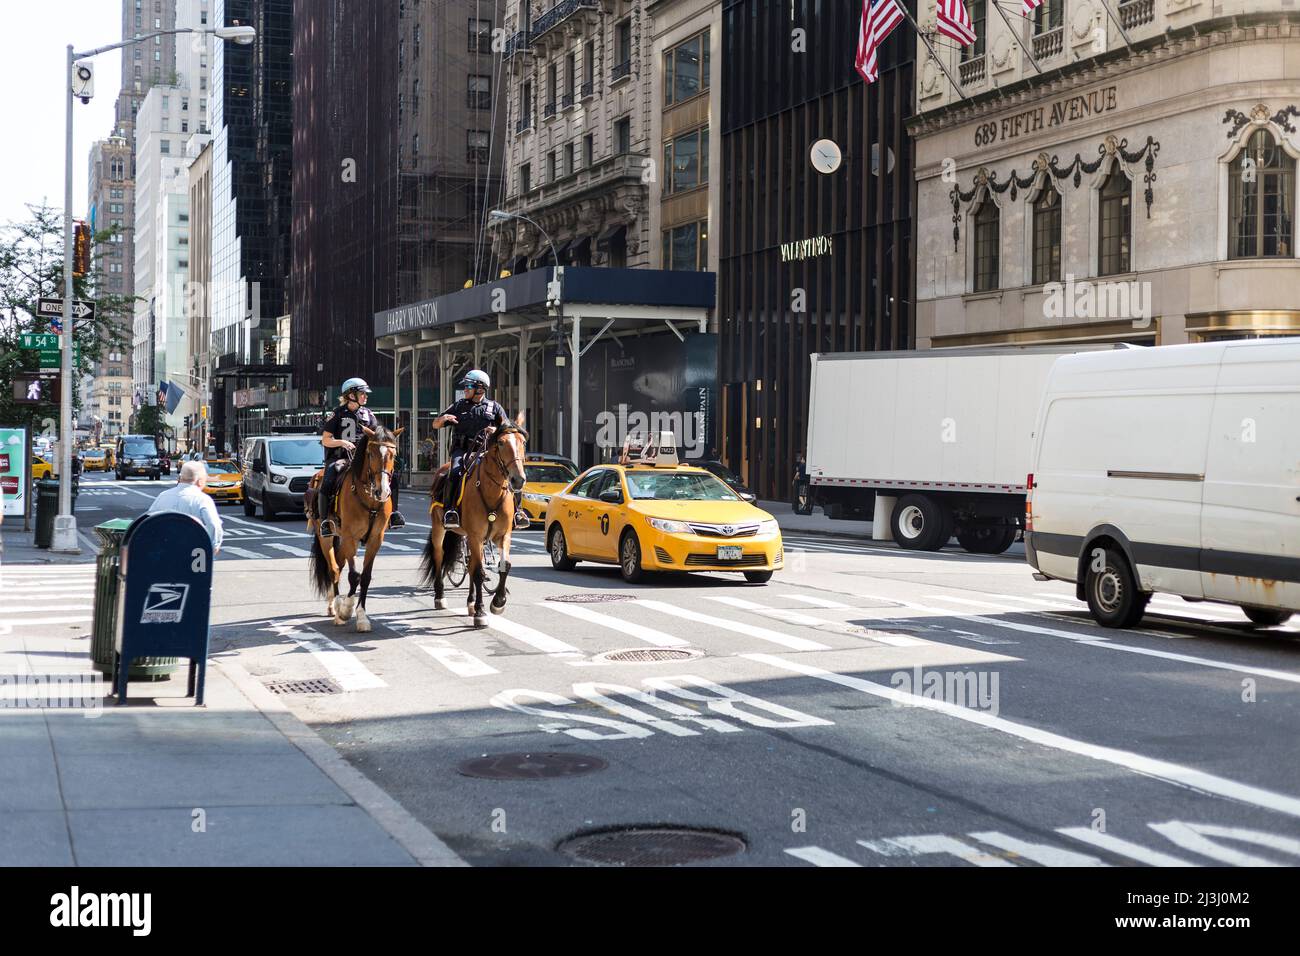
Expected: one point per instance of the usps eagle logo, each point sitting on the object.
(164, 604)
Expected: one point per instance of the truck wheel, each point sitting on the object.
(248, 506)
(920, 523)
(987, 539)
(268, 509)
(1265, 617)
(1112, 593)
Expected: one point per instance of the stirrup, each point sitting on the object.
(522, 520)
(328, 529)
(395, 520)
(450, 518)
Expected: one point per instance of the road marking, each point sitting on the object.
(1095, 640)
(1134, 851)
(530, 636)
(1038, 852)
(461, 663)
(1195, 837)
(1161, 769)
(762, 633)
(342, 665)
(36, 608)
(815, 601)
(819, 857)
(267, 526)
(240, 552)
(795, 617)
(790, 617)
(290, 549)
(934, 843)
(32, 622)
(640, 632)
(974, 603)
(394, 546)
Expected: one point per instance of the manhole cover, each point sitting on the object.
(530, 766)
(321, 686)
(652, 846)
(590, 597)
(649, 655)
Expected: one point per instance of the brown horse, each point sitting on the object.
(364, 505)
(487, 512)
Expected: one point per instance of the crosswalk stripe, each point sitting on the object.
(461, 663)
(819, 857)
(762, 633)
(1044, 855)
(530, 636)
(34, 608)
(239, 552)
(347, 671)
(795, 617)
(814, 601)
(640, 632)
(394, 546)
(290, 549)
(33, 621)
(1062, 604)
(782, 614)
(1134, 851)
(934, 843)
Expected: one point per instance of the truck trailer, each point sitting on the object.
(928, 444)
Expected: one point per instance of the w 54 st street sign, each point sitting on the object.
(39, 340)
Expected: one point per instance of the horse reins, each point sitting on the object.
(505, 476)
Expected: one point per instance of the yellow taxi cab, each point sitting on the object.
(110, 455)
(41, 467)
(225, 481)
(649, 512)
(94, 459)
(546, 476)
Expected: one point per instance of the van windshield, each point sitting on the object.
(300, 451)
(139, 448)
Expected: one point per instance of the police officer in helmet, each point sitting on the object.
(469, 416)
(340, 433)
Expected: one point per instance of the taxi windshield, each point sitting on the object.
(677, 486)
(554, 474)
(221, 468)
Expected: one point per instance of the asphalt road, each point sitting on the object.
(867, 707)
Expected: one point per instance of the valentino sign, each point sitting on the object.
(1057, 113)
(807, 248)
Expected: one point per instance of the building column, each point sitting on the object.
(415, 407)
(525, 338)
(444, 398)
(575, 417)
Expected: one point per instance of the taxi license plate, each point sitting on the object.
(730, 553)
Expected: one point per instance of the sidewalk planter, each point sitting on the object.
(104, 638)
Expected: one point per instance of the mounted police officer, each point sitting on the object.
(340, 433)
(469, 416)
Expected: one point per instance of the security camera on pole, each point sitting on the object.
(81, 86)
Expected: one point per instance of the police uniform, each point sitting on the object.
(471, 418)
(345, 425)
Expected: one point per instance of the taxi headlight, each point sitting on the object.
(541, 499)
(672, 527)
(769, 527)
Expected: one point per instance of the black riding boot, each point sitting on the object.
(395, 520)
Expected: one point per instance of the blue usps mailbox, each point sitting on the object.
(166, 570)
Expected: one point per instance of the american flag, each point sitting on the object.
(1029, 6)
(878, 18)
(954, 21)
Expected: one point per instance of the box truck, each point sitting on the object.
(927, 444)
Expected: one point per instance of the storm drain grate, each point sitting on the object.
(590, 597)
(316, 686)
(652, 845)
(520, 766)
(649, 655)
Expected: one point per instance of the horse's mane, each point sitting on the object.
(382, 434)
(507, 429)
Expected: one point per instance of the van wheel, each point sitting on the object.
(629, 558)
(559, 549)
(268, 509)
(920, 523)
(1266, 617)
(987, 539)
(1112, 593)
(248, 506)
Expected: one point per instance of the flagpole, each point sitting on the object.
(1002, 13)
(926, 40)
(1118, 26)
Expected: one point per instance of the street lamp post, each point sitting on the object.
(500, 215)
(65, 524)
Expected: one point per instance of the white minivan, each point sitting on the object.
(1173, 469)
(277, 471)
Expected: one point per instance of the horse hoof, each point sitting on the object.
(480, 620)
(498, 608)
(439, 604)
(363, 622)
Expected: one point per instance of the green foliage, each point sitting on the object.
(147, 421)
(31, 266)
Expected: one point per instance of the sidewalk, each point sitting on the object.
(238, 782)
(19, 546)
(816, 523)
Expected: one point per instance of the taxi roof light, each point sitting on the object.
(644, 451)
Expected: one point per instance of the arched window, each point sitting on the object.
(1114, 252)
(1047, 235)
(986, 245)
(1261, 189)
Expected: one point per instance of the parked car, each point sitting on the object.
(277, 471)
(719, 470)
(1170, 470)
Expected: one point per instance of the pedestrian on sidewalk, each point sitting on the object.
(188, 498)
(799, 487)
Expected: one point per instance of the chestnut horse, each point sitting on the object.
(487, 512)
(365, 501)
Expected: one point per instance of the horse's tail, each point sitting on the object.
(426, 561)
(450, 549)
(322, 578)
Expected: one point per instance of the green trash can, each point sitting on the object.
(103, 641)
(47, 508)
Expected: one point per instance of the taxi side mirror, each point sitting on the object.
(612, 496)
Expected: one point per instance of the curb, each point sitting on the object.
(409, 833)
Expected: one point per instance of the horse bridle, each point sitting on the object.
(371, 493)
(503, 470)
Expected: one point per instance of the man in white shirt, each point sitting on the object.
(188, 498)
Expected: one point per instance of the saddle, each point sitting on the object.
(443, 476)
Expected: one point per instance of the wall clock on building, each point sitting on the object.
(826, 156)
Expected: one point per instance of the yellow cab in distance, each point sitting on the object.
(94, 459)
(41, 468)
(225, 481)
(110, 455)
(649, 512)
(547, 475)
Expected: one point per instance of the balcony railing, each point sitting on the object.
(1049, 44)
(566, 101)
(972, 71)
(519, 43)
(587, 89)
(624, 166)
(553, 17)
(548, 110)
(523, 123)
(620, 71)
(1135, 13)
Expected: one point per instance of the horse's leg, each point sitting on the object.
(503, 573)
(331, 561)
(363, 622)
(475, 603)
(436, 535)
(347, 555)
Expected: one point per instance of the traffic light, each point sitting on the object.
(81, 251)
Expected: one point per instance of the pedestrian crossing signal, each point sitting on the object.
(81, 251)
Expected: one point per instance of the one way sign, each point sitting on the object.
(53, 309)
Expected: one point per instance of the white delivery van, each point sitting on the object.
(1175, 470)
(277, 471)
